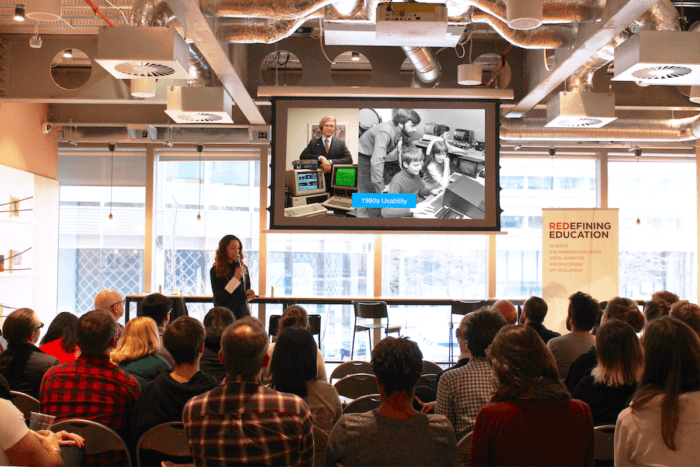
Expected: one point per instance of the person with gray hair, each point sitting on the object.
(112, 301)
(242, 422)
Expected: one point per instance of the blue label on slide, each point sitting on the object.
(383, 200)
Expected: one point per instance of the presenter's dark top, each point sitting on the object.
(236, 301)
(338, 152)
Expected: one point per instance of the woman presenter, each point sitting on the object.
(230, 282)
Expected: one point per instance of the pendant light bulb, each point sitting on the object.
(199, 217)
(638, 221)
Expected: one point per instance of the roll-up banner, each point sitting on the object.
(580, 253)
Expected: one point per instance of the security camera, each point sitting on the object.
(35, 42)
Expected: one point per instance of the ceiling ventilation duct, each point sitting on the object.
(659, 57)
(580, 110)
(130, 52)
(199, 105)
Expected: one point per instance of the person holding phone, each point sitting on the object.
(230, 282)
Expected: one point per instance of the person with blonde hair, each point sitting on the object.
(136, 350)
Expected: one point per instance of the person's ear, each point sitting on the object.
(266, 360)
(221, 356)
(201, 349)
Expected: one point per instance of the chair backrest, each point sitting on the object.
(429, 381)
(350, 368)
(314, 323)
(363, 404)
(98, 437)
(357, 385)
(320, 446)
(430, 368)
(370, 310)
(167, 438)
(465, 444)
(604, 438)
(466, 307)
(25, 403)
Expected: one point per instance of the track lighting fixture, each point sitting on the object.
(68, 53)
(19, 13)
(355, 56)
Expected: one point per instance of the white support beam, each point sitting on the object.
(617, 16)
(197, 27)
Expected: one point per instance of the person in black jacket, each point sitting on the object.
(216, 320)
(230, 282)
(23, 364)
(163, 399)
(334, 152)
(534, 312)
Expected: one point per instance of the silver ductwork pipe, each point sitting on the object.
(547, 36)
(158, 13)
(533, 129)
(270, 9)
(257, 30)
(663, 16)
(425, 64)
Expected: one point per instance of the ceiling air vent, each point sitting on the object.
(199, 105)
(580, 110)
(669, 58)
(130, 52)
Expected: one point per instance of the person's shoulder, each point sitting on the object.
(282, 402)
(439, 422)
(579, 407)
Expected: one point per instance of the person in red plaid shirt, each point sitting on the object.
(242, 422)
(92, 388)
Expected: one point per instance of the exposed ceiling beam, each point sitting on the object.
(197, 27)
(617, 16)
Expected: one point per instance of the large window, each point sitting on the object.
(528, 185)
(95, 253)
(185, 247)
(660, 252)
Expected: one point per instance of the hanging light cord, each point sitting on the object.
(112, 147)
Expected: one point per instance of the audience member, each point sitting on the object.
(241, 421)
(613, 381)
(296, 315)
(531, 419)
(23, 364)
(395, 433)
(464, 391)
(5, 390)
(661, 425)
(534, 312)
(59, 340)
(113, 302)
(293, 369)
(461, 332)
(215, 321)
(163, 399)
(668, 297)
(583, 313)
(620, 308)
(687, 312)
(158, 307)
(92, 387)
(507, 309)
(21, 446)
(136, 351)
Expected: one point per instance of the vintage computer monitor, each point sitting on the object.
(464, 136)
(344, 178)
(306, 186)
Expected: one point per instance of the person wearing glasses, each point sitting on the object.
(113, 302)
(23, 364)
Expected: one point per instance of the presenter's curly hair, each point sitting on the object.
(397, 363)
(221, 258)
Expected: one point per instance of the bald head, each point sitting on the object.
(244, 347)
(507, 309)
(110, 300)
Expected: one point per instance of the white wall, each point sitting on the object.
(298, 129)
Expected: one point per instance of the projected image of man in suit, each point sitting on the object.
(327, 149)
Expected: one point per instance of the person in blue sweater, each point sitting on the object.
(408, 181)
